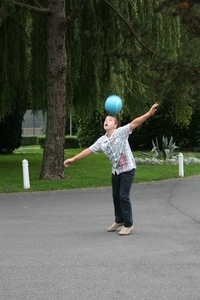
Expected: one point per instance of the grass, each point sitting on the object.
(92, 171)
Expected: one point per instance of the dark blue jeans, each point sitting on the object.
(121, 186)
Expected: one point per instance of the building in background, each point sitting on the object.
(34, 124)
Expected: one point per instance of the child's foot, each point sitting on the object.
(114, 226)
(126, 230)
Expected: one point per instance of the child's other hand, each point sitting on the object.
(67, 162)
(153, 109)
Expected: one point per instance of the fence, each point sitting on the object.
(33, 124)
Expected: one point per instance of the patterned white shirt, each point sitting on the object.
(117, 149)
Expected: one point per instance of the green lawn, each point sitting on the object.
(92, 171)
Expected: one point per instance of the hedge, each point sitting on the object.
(71, 141)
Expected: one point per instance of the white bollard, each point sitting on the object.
(180, 163)
(25, 174)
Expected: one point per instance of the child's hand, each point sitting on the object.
(67, 162)
(153, 109)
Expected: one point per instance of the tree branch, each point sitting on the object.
(75, 12)
(164, 4)
(38, 4)
(130, 28)
(31, 8)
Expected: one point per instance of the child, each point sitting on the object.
(115, 146)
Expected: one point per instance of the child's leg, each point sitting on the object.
(116, 198)
(126, 180)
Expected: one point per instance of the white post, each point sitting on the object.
(25, 174)
(180, 163)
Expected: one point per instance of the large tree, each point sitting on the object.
(48, 83)
(57, 22)
(143, 50)
(140, 49)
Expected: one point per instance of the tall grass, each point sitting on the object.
(92, 171)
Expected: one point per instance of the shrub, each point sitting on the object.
(169, 161)
(167, 148)
(29, 140)
(71, 141)
(197, 148)
(41, 141)
(11, 130)
(90, 129)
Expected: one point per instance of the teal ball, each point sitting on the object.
(113, 104)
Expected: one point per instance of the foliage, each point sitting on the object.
(38, 60)
(137, 59)
(170, 161)
(167, 148)
(14, 61)
(92, 171)
(197, 148)
(71, 141)
(11, 131)
(186, 138)
(114, 46)
(194, 130)
(89, 130)
(29, 140)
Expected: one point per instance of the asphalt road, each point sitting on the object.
(55, 245)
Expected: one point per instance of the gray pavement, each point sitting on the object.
(55, 245)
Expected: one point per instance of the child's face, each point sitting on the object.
(110, 123)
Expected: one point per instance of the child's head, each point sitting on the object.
(111, 122)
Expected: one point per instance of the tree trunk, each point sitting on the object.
(52, 165)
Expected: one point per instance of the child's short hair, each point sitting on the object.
(116, 120)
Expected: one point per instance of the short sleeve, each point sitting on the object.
(96, 147)
(124, 131)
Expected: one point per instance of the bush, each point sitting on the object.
(90, 129)
(29, 140)
(11, 130)
(71, 141)
(41, 141)
(197, 148)
(170, 161)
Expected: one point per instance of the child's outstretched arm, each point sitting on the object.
(82, 154)
(136, 122)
